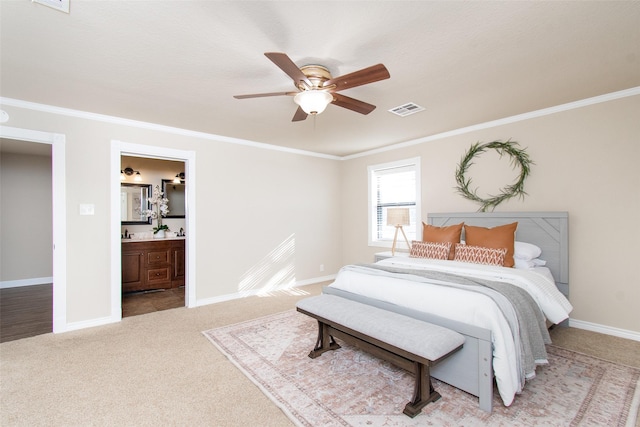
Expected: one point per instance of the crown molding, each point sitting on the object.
(202, 135)
(156, 127)
(500, 122)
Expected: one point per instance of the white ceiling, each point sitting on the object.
(179, 63)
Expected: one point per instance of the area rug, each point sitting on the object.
(348, 387)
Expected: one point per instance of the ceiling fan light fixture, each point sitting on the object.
(313, 101)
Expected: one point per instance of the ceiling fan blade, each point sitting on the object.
(352, 104)
(260, 95)
(289, 67)
(299, 115)
(358, 78)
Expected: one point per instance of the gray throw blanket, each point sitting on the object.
(521, 311)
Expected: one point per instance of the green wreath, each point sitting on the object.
(518, 158)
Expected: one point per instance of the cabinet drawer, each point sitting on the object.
(156, 257)
(157, 275)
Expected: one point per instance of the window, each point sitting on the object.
(393, 185)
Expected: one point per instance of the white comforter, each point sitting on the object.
(464, 306)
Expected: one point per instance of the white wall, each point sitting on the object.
(26, 253)
(586, 163)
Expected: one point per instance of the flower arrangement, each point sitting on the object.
(159, 208)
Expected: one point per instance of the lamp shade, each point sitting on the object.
(398, 216)
(313, 101)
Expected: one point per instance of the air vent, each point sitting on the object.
(406, 109)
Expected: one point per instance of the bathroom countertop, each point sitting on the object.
(150, 239)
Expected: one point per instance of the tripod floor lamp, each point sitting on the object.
(398, 217)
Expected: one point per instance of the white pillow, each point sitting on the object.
(526, 251)
(524, 264)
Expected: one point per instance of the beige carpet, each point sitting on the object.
(159, 370)
(349, 387)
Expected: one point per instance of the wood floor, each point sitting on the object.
(137, 303)
(27, 311)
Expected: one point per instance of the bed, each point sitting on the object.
(489, 351)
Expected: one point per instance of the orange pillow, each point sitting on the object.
(502, 236)
(449, 234)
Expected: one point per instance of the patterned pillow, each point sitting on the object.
(431, 250)
(480, 255)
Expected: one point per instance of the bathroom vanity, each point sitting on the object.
(152, 264)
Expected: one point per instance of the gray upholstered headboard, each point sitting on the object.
(548, 230)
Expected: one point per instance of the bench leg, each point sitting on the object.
(325, 341)
(423, 392)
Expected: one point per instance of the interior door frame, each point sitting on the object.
(118, 149)
(59, 213)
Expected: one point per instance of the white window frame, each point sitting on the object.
(372, 172)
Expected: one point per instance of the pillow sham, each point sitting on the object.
(449, 233)
(502, 236)
(526, 251)
(430, 250)
(479, 254)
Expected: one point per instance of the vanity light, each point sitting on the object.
(179, 178)
(128, 172)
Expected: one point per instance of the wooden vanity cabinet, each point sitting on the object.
(178, 260)
(152, 264)
(132, 270)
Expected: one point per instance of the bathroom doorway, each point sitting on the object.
(120, 149)
(141, 292)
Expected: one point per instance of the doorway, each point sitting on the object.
(140, 293)
(26, 256)
(119, 149)
(56, 146)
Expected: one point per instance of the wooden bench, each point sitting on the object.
(408, 343)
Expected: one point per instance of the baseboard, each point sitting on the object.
(608, 330)
(580, 324)
(6, 284)
(262, 291)
(74, 326)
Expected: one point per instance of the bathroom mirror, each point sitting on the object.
(134, 201)
(175, 193)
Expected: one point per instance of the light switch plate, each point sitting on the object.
(61, 5)
(87, 209)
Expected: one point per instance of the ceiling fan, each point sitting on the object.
(317, 88)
